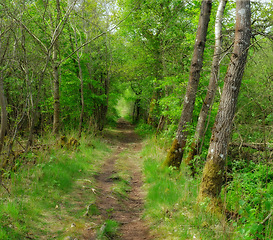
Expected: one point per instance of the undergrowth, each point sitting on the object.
(174, 214)
(250, 196)
(144, 130)
(42, 201)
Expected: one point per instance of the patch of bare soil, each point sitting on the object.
(127, 211)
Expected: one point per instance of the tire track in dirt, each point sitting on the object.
(126, 211)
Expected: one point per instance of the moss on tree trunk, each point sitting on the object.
(212, 179)
(214, 169)
(174, 156)
(192, 153)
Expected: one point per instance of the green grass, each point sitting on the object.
(121, 185)
(122, 177)
(172, 209)
(46, 197)
(171, 202)
(108, 230)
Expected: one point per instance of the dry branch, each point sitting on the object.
(256, 146)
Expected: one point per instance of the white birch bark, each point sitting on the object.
(213, 173)
(200, 128)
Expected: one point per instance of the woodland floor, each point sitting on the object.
(126, 209)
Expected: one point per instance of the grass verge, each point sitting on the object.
(50, 192)
(247, 195)
(171, 202)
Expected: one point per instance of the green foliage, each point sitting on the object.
(250, 194)
(256, 95)
(171, 104)
(248, 190)
(141, 68)
(123, 107)
(144, 129)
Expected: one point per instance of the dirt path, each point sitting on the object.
(124, 205)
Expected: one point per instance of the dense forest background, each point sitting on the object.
(77, 66)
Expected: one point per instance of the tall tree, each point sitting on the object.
(80, 75)
(55, 65)
(175, 154)
(213, 173)
(200, 128)
(3, 112)
(4, 46)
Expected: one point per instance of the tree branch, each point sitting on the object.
(29, 32)
(64, 20)
(256, 146)
(269, 216)
(98, 36)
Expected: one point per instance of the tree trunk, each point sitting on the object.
(154, 110)
(56, 82)
(175, 154)
(81, 90)
(103, 108)
(200, 128)
(3, 114)
(31, 113)
(56, 94)
(82, 98)
(136, 111)
(214, 169)
(31, 110)
(161, 124)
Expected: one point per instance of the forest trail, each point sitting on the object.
(120, 204)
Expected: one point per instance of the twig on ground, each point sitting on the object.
(268, 216)
(6, 189)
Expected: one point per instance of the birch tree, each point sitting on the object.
(213, 172)
(200, 128)
(56, 81)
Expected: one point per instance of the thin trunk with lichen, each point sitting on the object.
(56, 81)
(4, 117)
(157, 94)
(201, 124)
(175, 154)
(214, 169)
(80, 76)
(56, 94)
